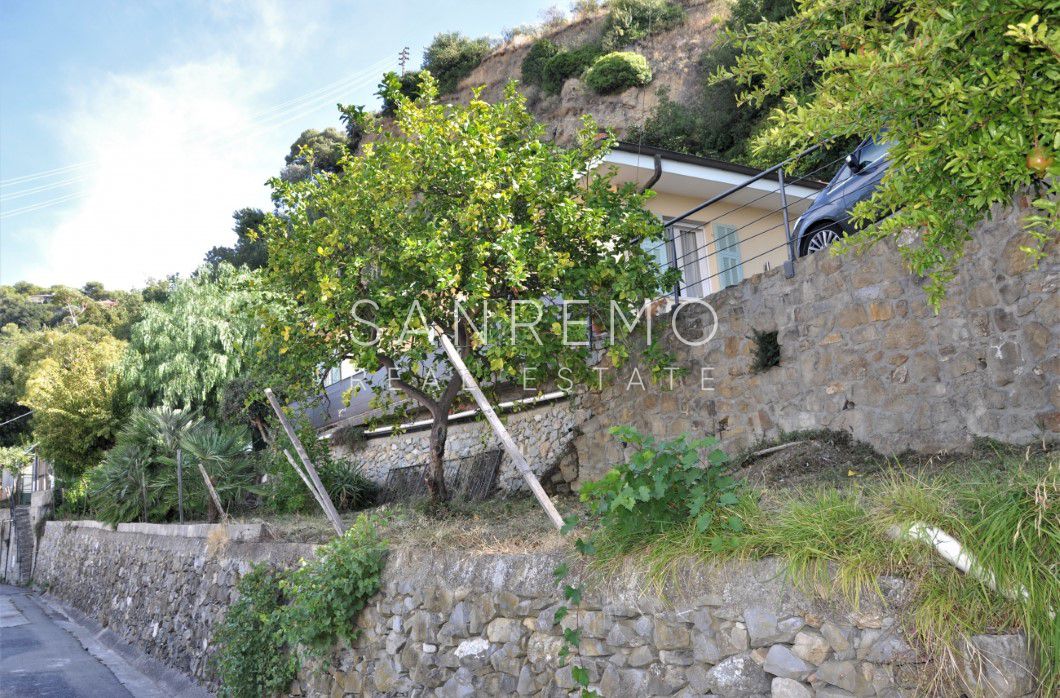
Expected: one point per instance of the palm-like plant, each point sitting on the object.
(138, 478)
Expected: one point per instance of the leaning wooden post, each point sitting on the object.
(213, 493)
(322, 494)
(498, 427)
(180, 484)
(306, 480)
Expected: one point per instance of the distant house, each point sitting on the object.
(718, 246)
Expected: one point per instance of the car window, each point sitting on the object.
(872, 152)
(840, 177)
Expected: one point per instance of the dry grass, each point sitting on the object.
(512, 525)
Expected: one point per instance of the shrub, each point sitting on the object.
(533, 68)
(252, 658)
(767, 350)
(568, 64)
(328, 593)
(137, 480)
(452, 56)
(663, 485)
(618, 71)
(347, 485)
(392, 84)
(632, 20)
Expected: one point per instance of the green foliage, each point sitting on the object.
(33, 308)
(713, 124)
(137, 480)
(533, 66)
(618, 71)
(393, 88)
(767, 350)
(452, 56)
(345, 483)
(14, 458)
(568, 64)
(279, 615)
(315, 152)
(253, 658)
(327, 594)
(348, 486)
(664, 484)
(632, 20)
(184, 352)
(1016, 536)
(70, 381)
(964, 90)
(461, 202)
(249, 251)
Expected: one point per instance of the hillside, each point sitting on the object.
(673, 56)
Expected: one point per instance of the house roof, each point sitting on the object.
(698, 179)
(723, 165)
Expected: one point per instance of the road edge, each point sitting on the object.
(140, 673)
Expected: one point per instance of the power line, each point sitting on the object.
(45, 173)
(15, 419)
(277, 111)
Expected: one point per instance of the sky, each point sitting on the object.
(130, 131)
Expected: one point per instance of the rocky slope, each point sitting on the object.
(673, 56)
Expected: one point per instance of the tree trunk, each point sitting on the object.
(434, 475)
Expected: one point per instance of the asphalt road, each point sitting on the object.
(41, 656)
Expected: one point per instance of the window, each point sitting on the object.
(690, 253)
(684, 246)
(334, 375)
(727, 247)
(872, 152)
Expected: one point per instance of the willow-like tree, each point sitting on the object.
(457, 206)
(185, 352)
(965, 90)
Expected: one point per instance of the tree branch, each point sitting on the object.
(412, 391)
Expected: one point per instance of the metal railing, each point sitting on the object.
(722, 256)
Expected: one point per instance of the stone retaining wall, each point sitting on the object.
(545, 435)
(455, 623)
(863, 352)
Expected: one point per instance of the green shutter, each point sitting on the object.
(727, 248)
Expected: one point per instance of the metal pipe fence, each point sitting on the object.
(737, 242)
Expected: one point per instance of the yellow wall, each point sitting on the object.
(761, 242)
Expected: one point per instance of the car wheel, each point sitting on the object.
(817, 240)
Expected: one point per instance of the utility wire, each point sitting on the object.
(15, 419)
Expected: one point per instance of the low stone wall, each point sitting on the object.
(545, 435)
(453, 623)
(161, 588)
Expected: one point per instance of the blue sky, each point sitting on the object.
(130, 131)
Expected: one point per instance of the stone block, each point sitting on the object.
(846, 675)
(671, 636)
(789, 688)
(811, 646)
(997, 666)
(780, 661)
(739, 675)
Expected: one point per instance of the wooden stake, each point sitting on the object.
(213, 493)
(318, 487)
(498, 427)
(305, 479)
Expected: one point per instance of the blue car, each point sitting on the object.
(828, 217)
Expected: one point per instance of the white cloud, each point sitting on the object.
(173, 151)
